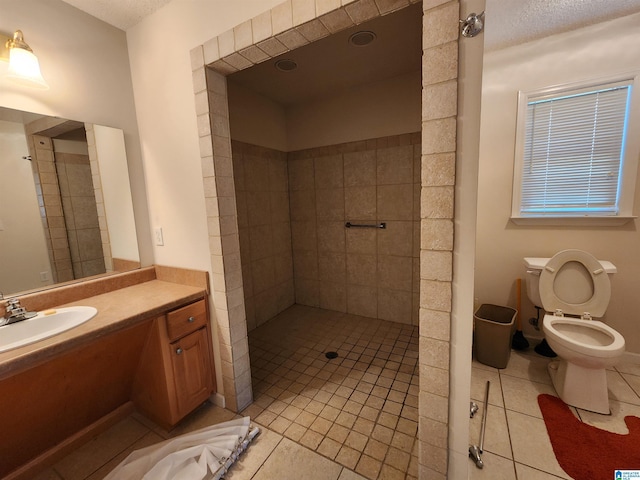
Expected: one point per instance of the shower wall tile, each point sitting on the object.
(283, 267)
(362, 269)
(278, 174)
(358, 269)
(362, 300)
(395, 202)
(331, 237)
(313, 30)
(303, 205)
(307, 292)
(441, 26)
(395, 305)
(301, 175)
(329, 172)
(258, 207)
(361, 240)
(303, 11)
(263, 274)
(305, 264)
(438, 169)
(282, 239)
(361, 11)
(360, 202)
(437, 202)
(396, 239)
(261, 242)
(395, 273)
(324, 6)
(330, 204)
(265, 262)
(304, 236)
(395, 165)
(333, 296)
(261, 26)
(360, 168)
(332, 268)
(336, 20)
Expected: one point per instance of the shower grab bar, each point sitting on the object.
(356, 225)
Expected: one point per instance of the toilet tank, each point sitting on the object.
(534, 267)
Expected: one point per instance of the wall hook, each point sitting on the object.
(472, 25)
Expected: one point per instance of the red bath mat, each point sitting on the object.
(586, 452)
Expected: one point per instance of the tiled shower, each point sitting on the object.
(294, 245)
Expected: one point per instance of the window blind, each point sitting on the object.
(574, 146)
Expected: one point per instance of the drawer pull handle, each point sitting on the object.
(191, 320)
(178, 351)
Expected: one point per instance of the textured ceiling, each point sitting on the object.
(510, 22)
(119, 13)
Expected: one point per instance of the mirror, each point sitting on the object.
(65, 203)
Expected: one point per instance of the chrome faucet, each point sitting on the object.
(15, 312)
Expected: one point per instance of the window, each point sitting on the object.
(575, 155)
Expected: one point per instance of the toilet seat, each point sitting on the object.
(595, 306)
(595, 339)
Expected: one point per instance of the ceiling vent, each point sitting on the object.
(286, 65)
(362, 38)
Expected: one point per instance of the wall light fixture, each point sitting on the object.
(23, 64)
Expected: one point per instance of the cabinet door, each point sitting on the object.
(191, 371)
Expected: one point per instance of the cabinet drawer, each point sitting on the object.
(186, 320)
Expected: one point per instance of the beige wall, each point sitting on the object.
(23, 248)
(108, 155)
(90, 82)
(376, 109)
(364, 271)
(256, 119)
(586, 54)
(373, 110)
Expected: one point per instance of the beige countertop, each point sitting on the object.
(117, 310)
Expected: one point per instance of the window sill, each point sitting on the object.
(585, 221)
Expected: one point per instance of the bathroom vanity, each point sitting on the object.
(174, 375)
(148, 348)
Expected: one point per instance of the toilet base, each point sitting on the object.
(580, 387)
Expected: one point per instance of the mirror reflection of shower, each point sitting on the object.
(66, 197)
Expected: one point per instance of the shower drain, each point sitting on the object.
(331, 355)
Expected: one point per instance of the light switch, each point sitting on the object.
(159, 238)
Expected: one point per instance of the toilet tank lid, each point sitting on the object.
(538, 263)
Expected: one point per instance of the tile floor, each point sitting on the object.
(516, 444)
(355, 417)
(359, 409)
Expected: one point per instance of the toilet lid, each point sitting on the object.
(550, 282)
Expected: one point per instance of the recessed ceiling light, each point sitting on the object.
(286, 65)
(362, 38)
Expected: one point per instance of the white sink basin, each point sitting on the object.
(46, 324)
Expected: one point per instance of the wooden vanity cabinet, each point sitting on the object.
(175, 374)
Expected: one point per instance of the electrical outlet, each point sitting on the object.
(44, 276)
(159, 238)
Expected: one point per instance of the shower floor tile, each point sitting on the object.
(360, 408)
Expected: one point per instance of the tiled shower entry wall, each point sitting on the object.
(289, 25)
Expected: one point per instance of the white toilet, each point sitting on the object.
(574, 287)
